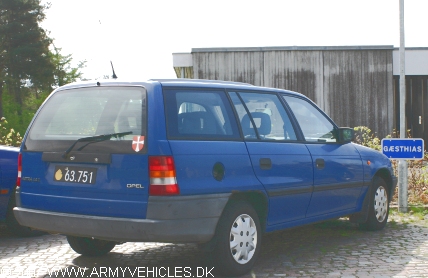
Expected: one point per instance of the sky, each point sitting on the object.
(139, 36)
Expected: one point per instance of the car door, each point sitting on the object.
(204, 137)
(281, 163)
(338, 168)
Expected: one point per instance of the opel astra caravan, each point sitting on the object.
(209, 162)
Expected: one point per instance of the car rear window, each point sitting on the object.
(199, 115)
(73, 114)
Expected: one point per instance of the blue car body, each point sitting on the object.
(170, 174)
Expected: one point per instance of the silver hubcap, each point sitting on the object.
(243, 239)
(381, 204)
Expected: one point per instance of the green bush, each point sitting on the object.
(365, 137)
(8, 136)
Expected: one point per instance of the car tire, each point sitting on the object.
(90, 246)
(378, 206)
(13, 225)
(239, 224)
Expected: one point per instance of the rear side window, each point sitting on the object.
(73, 114)
(263, 117)
(199, 115)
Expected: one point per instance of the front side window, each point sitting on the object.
(315, 126)
(73, 114)
(262, 117)
(199, 115)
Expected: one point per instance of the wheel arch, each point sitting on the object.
(385, 174)
(258, 200)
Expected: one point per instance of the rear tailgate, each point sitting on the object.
(85, 153)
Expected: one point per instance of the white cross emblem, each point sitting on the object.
(138, 143)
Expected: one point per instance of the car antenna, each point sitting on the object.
(114, 74)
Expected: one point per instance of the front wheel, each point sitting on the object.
(90, 246)
(237, 240)
(379, 206)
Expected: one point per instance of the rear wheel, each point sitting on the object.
(237, 240)
(89, 246)
(379, 206)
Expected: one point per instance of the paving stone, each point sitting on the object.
(332, 249)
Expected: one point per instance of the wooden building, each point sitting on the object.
(355, 85)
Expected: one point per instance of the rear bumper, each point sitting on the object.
(170, 219)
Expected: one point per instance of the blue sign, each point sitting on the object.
(403, 148)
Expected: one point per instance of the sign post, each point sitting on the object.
(402, 164)
(403, 149)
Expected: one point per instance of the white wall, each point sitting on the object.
(416, 62)
(182, 60)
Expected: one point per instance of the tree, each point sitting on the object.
(64, 73)
(30, 64)
(25, 58)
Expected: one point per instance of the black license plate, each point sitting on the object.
(85, 175)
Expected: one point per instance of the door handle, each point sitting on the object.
(320, 163)
(265, 163)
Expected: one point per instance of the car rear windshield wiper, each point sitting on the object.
(94, 139)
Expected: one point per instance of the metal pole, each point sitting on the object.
(402, 164)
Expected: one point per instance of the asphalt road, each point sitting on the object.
(330, 249)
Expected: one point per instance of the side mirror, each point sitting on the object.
(345, 134)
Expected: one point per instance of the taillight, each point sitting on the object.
(162, 176)
(18, 180)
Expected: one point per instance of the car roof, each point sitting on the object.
(179, 82)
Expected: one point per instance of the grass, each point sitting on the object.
(419, 212)
(417, 215)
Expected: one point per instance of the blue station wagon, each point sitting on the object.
(209, 162)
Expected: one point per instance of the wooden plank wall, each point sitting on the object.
(354, 87)
(230, 66)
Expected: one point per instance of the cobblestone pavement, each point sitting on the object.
(331, 249)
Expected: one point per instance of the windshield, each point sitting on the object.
(70, 115)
